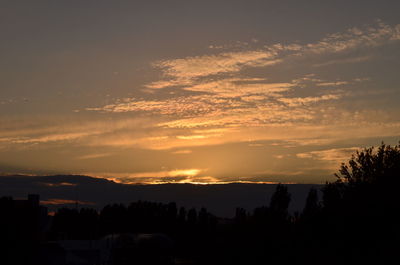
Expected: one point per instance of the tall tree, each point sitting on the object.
(312, 206)
(372, 166)
(280, 200)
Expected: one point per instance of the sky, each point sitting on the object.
(196, 91)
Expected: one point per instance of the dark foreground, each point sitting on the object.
(340, 230)
(355, 222)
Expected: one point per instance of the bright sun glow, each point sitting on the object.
(184, 172)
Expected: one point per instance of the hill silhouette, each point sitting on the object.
(220, 199)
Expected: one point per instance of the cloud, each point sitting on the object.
(54, 137)
(222, 101)
(167, 83)
(64, 201)
(61, 184)
(355, 38)
(182, 106)
(38, 132)
(182, 152)
(191, 175)
(236, 87)
(336, 155)
(206, 65)
(226, 102)
(303, 142)
(206, 95)
(190, 137)
(185, 71)
(337, 83)
(13, 101)
(224, 98)
(94, 156)
(294, 102)
(345, 61)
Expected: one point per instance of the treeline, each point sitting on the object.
(189, 228)
(137, 217)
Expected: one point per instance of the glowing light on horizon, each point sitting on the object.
(184, 172)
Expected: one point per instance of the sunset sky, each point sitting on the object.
(196, 91)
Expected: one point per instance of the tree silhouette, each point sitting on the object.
(360, 208)
(332, 194)
(370, 180)
(312, 206)
(370, 166)
(182, 215)
(192, 216)
(280, 200)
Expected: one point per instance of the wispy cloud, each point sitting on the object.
(206, 65)
(221, 92)
(182, 152)
(236, 87)
(94, 156)
(64, 201)
(216, 99)
(185, 71)
(345, 61)
(54, 137)
(227, 102)
(336, 155)
(21, 134)
(62, 184)
(337, 83)
(293, 102)
(356, 38)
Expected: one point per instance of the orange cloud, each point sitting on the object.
(64, 201)
(336, 155)
(199, 66)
